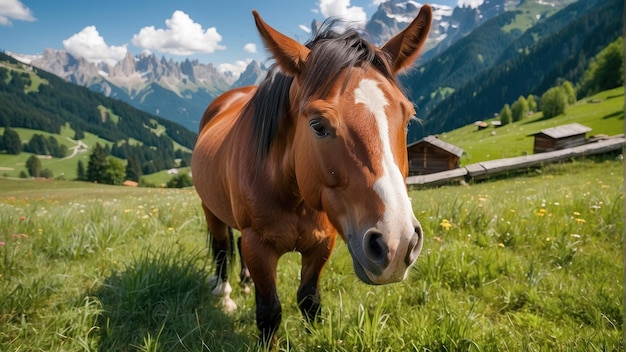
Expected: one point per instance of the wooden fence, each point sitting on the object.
(489, 168)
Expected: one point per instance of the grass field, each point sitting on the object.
(67, 168)
(532, 263)
(605, 116)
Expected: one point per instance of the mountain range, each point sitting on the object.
(38, 100)
(464, 43)
(499, 62)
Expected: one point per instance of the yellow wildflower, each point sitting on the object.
(446, 224)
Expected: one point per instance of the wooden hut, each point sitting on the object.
(560, 137)
(431, 154)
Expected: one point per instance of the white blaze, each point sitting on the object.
(397, 225)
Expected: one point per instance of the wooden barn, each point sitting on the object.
(560, 137)
(431, 154)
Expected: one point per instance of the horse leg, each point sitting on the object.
(313, 262)
(244, 274)
(262, 259)
(221, 237)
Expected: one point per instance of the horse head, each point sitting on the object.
(349, 145)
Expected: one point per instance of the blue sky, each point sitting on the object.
(220, 32)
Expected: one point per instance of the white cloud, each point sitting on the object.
(236, 68)
(181, 37)
(376, 3)
(89, 45)
(470, 3)
(354, 16)
(250, 48)
(305, 28)
(14, 10)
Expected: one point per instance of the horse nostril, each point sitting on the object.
(415, 247)
(376, 249)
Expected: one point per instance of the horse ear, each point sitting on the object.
(405, 46)
(289, 54)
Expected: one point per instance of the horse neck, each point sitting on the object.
(278, 166)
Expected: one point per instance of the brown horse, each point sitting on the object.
(319, 148)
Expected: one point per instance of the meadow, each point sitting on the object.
(602, 112)
(530, 263)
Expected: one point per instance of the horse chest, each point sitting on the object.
(291, 228)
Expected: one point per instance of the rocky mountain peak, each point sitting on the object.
(125, 67)
(253, 75)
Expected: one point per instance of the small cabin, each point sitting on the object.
(431, 154)
(560, 137)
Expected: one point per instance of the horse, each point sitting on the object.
(317, 150)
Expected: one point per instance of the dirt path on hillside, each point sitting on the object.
(80, 147)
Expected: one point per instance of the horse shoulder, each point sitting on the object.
(213, 152)
(227, 104)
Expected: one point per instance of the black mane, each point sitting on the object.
(331, 53)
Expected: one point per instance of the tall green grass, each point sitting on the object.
(532, 263)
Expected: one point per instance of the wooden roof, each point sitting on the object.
(433, 140)
(569, 130)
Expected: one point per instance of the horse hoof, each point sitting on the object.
(228, 305)
(222, 289)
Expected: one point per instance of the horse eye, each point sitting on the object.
(318, 128)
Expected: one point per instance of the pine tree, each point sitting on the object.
(133, 169)
(33, 165)
(97, 164)
(12, 142)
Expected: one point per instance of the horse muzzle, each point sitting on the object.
(380, 258)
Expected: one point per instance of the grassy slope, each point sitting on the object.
(529, 263)
(527, 15)
(606, 117)
(12, 165)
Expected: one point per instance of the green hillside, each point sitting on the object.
(37, 102)
(603, 112)
(498, 62)
(36, 99)
(62, 168)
